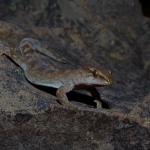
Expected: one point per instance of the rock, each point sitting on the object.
(114, 34)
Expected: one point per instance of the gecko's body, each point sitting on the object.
(65, 81)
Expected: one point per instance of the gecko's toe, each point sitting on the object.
(98, 104)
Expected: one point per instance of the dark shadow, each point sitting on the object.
(145, 4)
(21, 118)
(74, 96)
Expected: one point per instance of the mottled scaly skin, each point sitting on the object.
(87, 78)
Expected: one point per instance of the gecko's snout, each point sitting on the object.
(108, 77)
(109, 80)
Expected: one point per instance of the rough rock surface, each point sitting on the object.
(111, 33)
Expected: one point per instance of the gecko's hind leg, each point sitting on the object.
(4, 49)
(62, 97)
(28, 44)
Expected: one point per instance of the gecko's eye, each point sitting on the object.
(100, 75)
(91, 69)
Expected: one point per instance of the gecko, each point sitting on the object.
(64, 81)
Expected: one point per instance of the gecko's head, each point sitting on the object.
(100, 75)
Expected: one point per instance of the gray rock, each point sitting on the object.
(111, 33)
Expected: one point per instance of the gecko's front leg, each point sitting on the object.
(97, 96)
(62, 97)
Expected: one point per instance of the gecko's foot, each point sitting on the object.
(3, 53)
(98, 103)
(70, 106)
(67, 104)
